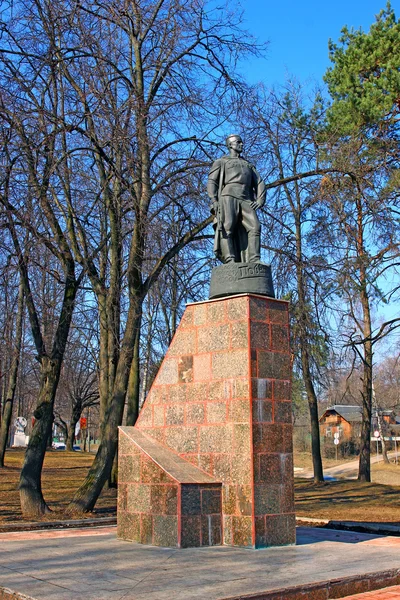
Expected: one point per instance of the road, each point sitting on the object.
(347, 470)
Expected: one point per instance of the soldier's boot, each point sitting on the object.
(254, 247)
(230, 255)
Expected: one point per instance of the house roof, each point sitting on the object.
(349, 413)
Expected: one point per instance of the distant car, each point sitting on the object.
(58, 446)
(77, 448)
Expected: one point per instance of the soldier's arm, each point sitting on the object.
(213, 185)
(259, 188)
(213, 180)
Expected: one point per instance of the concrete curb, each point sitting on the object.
(70, 524)
(358, 526)
(332, 588)
(322, 590)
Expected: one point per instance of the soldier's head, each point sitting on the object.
(234, 142)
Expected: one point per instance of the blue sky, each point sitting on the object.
(298, 32)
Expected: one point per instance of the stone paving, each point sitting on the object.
(95, 565)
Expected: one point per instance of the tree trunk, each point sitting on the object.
(364, 468)
(86, 496)
(133, 392)
(30, 487)
(314, 421)
(71, 430)
(12, 384)
(382, 436)
(305, 358)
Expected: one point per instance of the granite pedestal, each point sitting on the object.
(210, 458)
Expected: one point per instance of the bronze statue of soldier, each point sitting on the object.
(236, 191)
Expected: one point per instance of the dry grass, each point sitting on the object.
(63, 472)
(348, 501)
(338, 500)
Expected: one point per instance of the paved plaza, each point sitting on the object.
(95, 565)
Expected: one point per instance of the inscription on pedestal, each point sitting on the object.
(241, 278)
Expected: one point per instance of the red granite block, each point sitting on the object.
(129, 468)
(176, 394)
(273, 468)
(239, 337)
(282, 390)
(260, 335)
(138, 497)
(272, 437)
(213, 338)
(157, 499)
(229, 499)
(184, 342)
(202, 367)
(221, 467)
(220, 390)
(258, 309)
(128, 527)
(195, 413)
(279, 338)
(182, 438)
(241, 471)
(227, 529)
(280, 530)
(267, 498)
(146, 417)
(216, 412)
(254, 362)
(240, 388)
(237, 309)
(197, 392)
(211, 500)
(244, 495)
(165, 530)
(157, 433)
(205, 462)
(185, 368)
(262, 411)
(216, 312)
(122, 493)
(215, 439)
(150, 472)
(168, 373)
(174, 415)
(287, 497)
(239, 411)
(260, 531)
(190, 531)
(146, 529)
(235, 362)
(242, 531)
(278, 312)
(200, 314)
(211, 530)
(273, 365)
(158, 415)
(262, 388)
(187, 318)
(190, 499)
(241, 438)
(283, 412)
(125, 446)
